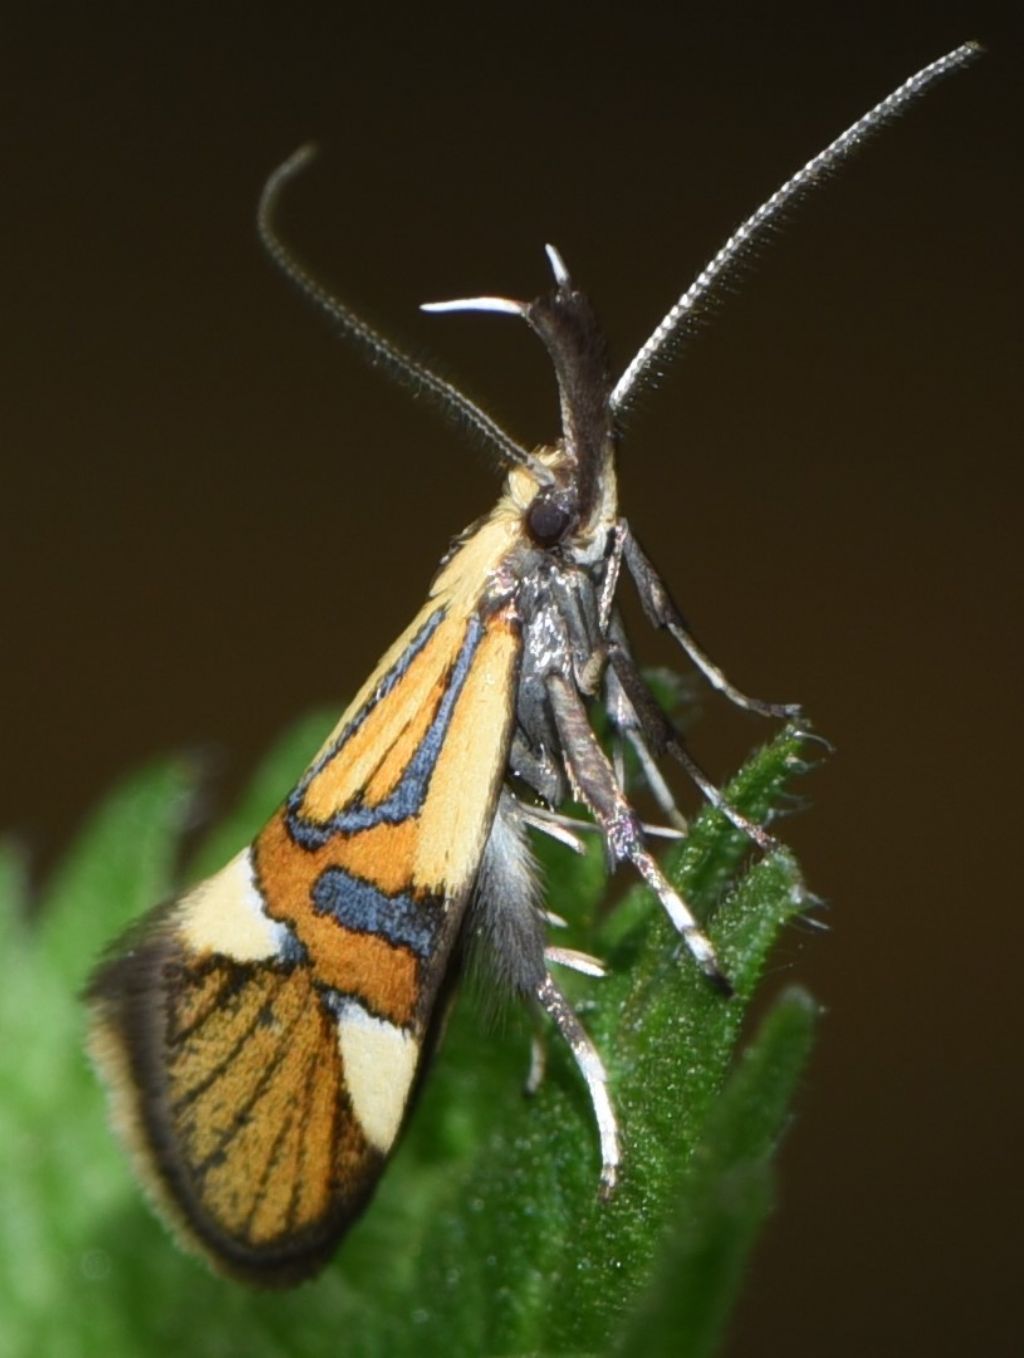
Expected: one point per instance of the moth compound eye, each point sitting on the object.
(548, 519)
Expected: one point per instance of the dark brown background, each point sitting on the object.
(214, 518)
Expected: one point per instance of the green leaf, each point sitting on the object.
(59, 1180)
(726, 1195)
(122, 862)
(487, 1234)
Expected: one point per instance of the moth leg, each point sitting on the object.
(716, 798)
(559, 957)
(662, 734)
(591, 1067)
(581, 632)
(576, 961)
(573, 827)
(561, 828)
(610, 583)
(568, 830)
(594, 780)
(537, 769)
(538, 1064)
(619, 757)
(624, 718)
(662, 612)
(653, 778)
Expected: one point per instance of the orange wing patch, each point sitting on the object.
(405, 703)
(368, 884)
(259, 1154)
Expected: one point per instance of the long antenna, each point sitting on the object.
(678, 321)
(374, 346)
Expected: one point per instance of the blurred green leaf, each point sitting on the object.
(726, 1194)
(486, 1235)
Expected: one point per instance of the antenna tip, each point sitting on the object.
(288, 169)
(959, 56)
(276, 182)
(299, 158)
(558, 268)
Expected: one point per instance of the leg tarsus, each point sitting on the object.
(629, 726)
(594, 780)
(591, 1067)
(715, 797)
(659, 731)
(662, 612)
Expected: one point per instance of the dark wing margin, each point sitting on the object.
(228, 1086)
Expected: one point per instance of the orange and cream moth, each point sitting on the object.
(262, 1035)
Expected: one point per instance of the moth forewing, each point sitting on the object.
(262, 1035)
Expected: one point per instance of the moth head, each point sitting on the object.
(567, 489)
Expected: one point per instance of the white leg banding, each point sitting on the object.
(538, 1064)
(560, 828)
(591, 1067)
(653, 777)
(682, 917)
(577, 961)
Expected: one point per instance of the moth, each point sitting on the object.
(262, 1035)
